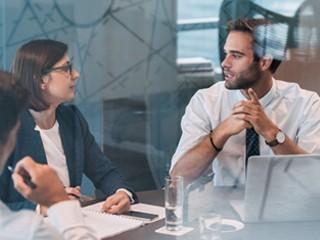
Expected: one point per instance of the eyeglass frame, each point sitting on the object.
(67, 68)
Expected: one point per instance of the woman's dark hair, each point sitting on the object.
(30, 62)
(13, 98)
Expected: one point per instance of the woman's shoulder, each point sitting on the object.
(69, 109)
(70, 112)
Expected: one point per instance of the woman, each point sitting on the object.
(56, 134)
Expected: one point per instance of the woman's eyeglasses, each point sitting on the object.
(65, 68)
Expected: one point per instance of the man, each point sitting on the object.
(221, 121)
(63, 213)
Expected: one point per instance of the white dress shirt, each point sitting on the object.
(294, 110)
(65, 222)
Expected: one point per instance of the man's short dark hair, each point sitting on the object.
(250, 26)
(30, 62)
(13, 99)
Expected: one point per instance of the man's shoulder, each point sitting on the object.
(215, 89)
(212, 96)
(293, 90)
(217, 86)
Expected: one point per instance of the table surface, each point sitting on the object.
(217, 202)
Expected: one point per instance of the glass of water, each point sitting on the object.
(174, 202)
(210, 226)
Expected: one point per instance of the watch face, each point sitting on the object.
(281, 137)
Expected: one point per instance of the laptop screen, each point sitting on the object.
(282, 188)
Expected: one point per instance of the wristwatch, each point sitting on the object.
(280, 138)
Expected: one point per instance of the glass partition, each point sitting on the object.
(130, 90)
(125, 51)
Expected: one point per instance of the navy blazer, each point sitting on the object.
(83, 155)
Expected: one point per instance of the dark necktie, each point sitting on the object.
(252, 144)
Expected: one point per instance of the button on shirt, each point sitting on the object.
(294, 110)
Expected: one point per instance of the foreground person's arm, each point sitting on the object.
(64, 214)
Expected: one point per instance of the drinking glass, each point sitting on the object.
(210, 226)
(174, 192)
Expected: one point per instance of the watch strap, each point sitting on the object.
(272, 143)
(280, 138)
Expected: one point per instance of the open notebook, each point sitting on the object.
(107, 225)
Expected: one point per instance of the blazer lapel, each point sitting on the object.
(33, 142)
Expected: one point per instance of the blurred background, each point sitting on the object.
(141, 61)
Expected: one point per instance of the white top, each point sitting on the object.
(295, 111)
(56, 158)
(66, 222)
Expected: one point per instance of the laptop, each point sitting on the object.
(282, 188)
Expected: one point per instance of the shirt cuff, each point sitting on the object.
(65, 215)
(128, 193)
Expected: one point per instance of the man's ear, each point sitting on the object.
(265, 62)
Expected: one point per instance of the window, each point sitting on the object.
(197, 29)
(198, 21)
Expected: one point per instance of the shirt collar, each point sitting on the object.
(265, 100)
(54, 127)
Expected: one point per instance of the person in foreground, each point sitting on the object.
(57, 134)
(64, 214)
(250, 113)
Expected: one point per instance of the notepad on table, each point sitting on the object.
(107, 225)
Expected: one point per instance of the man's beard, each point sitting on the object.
(247, 78)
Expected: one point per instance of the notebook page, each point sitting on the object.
(107, 225)
(140, 207)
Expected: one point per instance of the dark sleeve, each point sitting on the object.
(24, 204)
(97, 167)
(8, 194)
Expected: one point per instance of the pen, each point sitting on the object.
(26, 178)
(74, 195)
